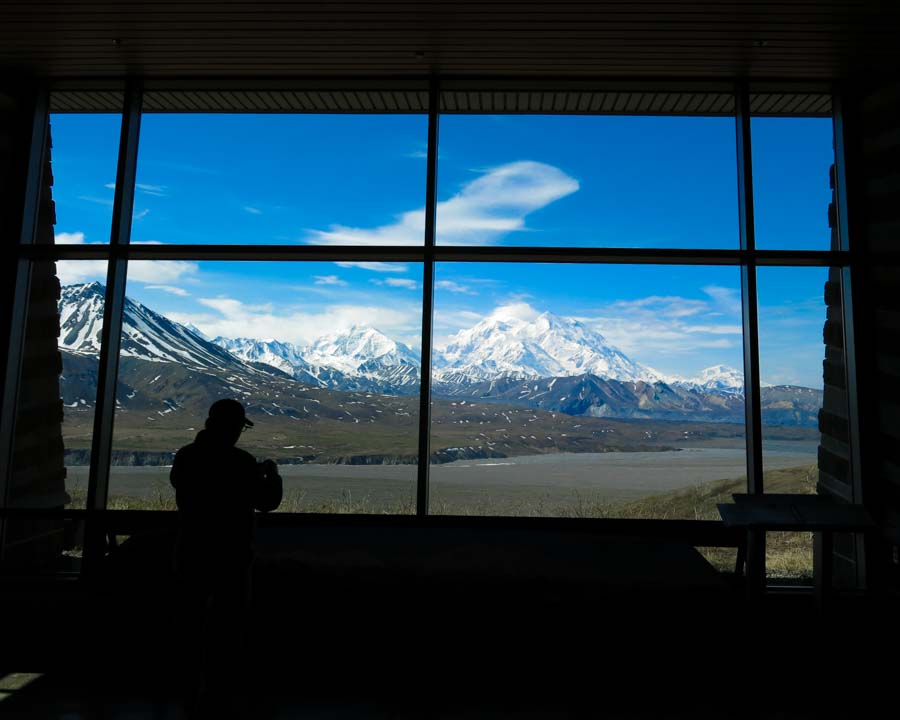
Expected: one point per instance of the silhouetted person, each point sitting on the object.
(217, 488)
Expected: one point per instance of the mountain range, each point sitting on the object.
(548, 362)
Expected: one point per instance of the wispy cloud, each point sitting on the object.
(96, 200)
(485, 209)
(375, 266)
(142, 214)
(252, 210)
(233, 318)
(657, 327)
(728, 300)
(66, 238)
(454, 287)
(328, 280)
(156, 272)
(161, 272)
(156, 190)
(171, 289)
(407, 283)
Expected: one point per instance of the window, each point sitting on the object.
(586, 390)
(325, 359)
(585, 293)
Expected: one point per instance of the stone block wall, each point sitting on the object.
(37, 474)
(879, 198)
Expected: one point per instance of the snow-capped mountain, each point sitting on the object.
(197, 331)
(363, 351)
(280, 355)
(719, 378)
(145, 334)
(335, 360)
(539, 361)
(505, 345)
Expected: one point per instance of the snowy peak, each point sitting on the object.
(720, 378)
(362, 343)
(80, 310)
(145, 334)
(280, 355)
(359, 352)
(364, 351)
(512, 342)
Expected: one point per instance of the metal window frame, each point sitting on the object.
(756, 541)
(119, 252)
(111, 331)
(858, 343)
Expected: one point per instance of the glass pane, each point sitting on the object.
(794, 363)
(789, 558)
(587, 181)
(792, 312)
(792, 158)
(83, 159)
(324, 357)
(281, 179)
(586, 390)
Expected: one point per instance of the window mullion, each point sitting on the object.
(427, 303)
(756, 541)
(111, 333)
(858, 351)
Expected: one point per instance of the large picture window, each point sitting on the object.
(593, 315)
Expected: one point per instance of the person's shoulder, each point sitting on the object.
(186, 451)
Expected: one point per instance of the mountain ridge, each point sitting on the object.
(498, 360)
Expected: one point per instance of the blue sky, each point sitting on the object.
(503, 180)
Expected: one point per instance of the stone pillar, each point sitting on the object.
(38, 472)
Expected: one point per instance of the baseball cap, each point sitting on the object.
(228, 411)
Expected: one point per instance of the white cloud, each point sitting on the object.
(233, 318)
(252, 210)
(518, 311)
(407, 283)
(171, 289)
(157, 190)
(142, 214)
(72, 272)
(454, 287)
(156, 272)
(484, 209)
(670, 306)
(657, 327)
(161, 272)
(727, 299)
(96, 200)
(375, 266)
(329, 280)
(65, 238)
(715, 329)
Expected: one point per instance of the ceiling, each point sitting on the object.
(797, 39)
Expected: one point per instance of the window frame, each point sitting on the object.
(119, 251)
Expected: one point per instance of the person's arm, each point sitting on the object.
(267, 490)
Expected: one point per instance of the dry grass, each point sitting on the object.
(789, 555)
